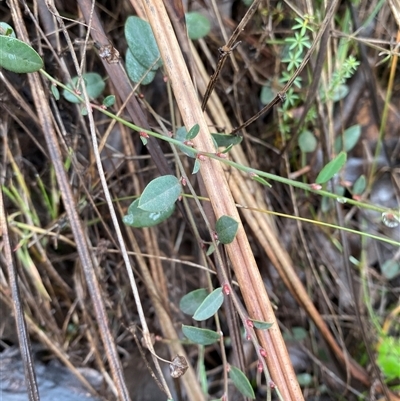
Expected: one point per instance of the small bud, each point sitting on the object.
(221, 155)
(215, 235)
(357, 197)
(260, 367)
(165, 78)
(249, 323)
(226, 289)
(263, 353)
(144, 134)
(272, 385)
(201, 157)
(316, 187)
(188, 143)
(183, 181)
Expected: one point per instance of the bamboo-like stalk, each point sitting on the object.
(239, 251)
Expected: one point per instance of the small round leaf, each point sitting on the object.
(210, 305)
(109, 101)
(260, 325)
(200, 336)
(181, 135)
(226, 228)
(193, 132)
(198, 25)
(160, 194)
(307, 141)
(94, 86)
(17, 56)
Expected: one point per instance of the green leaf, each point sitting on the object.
(332, 168)
(351, 136)
(142, 44)
(307, 142)
(197, 24)
(226, 228)
(181, 135)
(190, 302)
(241, 382)
(55, 92)
(267, 95)
(260, 325)
(339, 93)
(7, 30)
(193, 132)
(160, 194)
(390, 269)
(210, 305)
(360, 185)
(200, 336)
(261, 180)
(304, 379)
(210, 250)
(138, 218)
(136, 71)
(224, 140)
(94, 86)
(389, 357)
(109, 101)
(196, 166)
(17, 56)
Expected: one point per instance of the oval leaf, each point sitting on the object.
(210, 305)
(136, 71)
(223, 140)
(241, 382)
(94, 86)
(260, 325)
(17, 56)
(200, 336)
(332, 168)
(109, 101)
(190, 302)
(196, 166)
(226, 228)
(351, 136)
(141, 218)
(142, 44)
(198, 25)
(360, 185)
(193, 132)
(307, 142)
(160, 194)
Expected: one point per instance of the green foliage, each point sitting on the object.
(389, 357)
(210, 305)
(143, 58)
(7, 30)
(260, 325)
(197, 24)
(137, 217)
(241, 382)
(350, 137)
(307, 141)
(332, 168)
(226, 228)
(94, 86)
(200, 336)
(160, 194)
(17, 56)
(191, 301)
